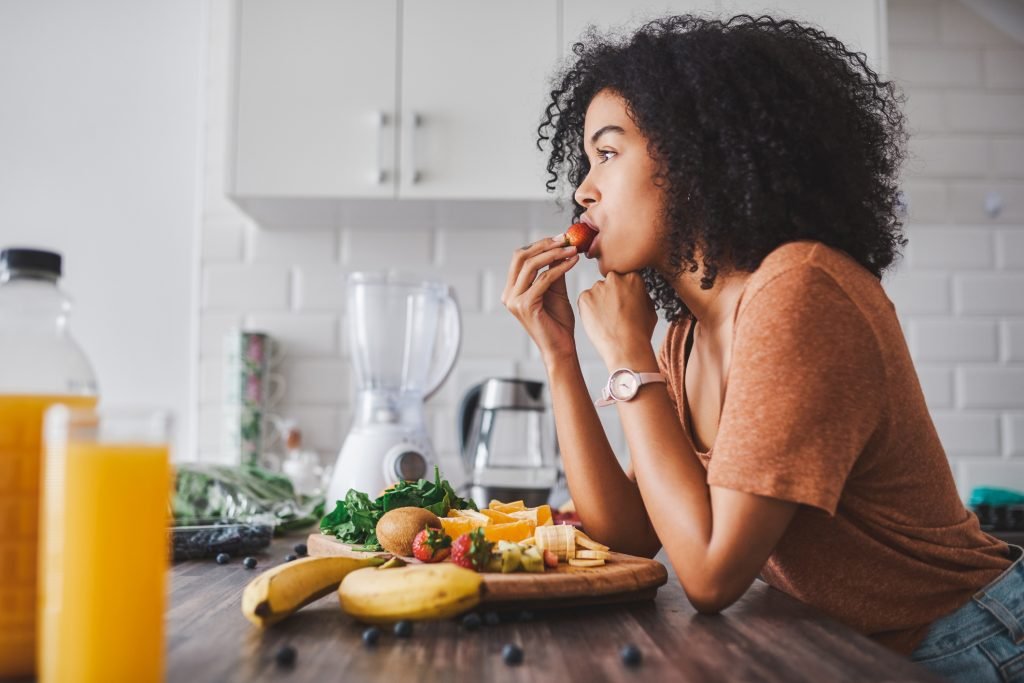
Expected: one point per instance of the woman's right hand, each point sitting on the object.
(539, 300)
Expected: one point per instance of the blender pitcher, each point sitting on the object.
(404, 334)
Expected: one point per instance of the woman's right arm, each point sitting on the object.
(607, 501)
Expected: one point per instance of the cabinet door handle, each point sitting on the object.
(415, 121)
(380, 122)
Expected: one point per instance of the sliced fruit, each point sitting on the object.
(587, 554)
(560, 539)
(587, 542)
(456, 526)
(512, 531)
(543, 515)
(510, 554)
(515, 506)
(470, 514)
(573, 562)
(498, 517)
(531, 559)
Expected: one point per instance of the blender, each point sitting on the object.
(404, 335)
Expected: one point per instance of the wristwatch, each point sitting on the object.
(623, 385)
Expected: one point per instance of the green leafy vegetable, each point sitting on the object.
(354, 520)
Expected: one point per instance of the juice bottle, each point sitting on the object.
(40, 364)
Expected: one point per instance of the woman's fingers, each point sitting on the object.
(531, 267)
(534, 290)
(519, 258)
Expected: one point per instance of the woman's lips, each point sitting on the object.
(592, 251)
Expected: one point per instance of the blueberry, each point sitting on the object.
(371, 636)
(285, 656)
(249, 563)
(471, 622)
(491, 618)
(403, 629)
(630, 655)
(300, 549)
(512, 654)
(223, 558)
(289, 557)
(526, 615)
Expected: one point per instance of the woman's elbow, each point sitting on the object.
(711, 599)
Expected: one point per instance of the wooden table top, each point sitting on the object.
(765, 636)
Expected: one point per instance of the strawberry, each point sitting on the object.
(472, 550)
(431, 545)
(550, 559)
(581, 236)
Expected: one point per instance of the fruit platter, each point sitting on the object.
(389, 561)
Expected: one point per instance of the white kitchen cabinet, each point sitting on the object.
(474, 85)
(329, 92)
(427, 99)
(315, 98)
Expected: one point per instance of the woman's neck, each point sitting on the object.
(713, 308)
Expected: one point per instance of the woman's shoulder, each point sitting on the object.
(797, 271)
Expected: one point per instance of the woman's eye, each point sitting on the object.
(605, 154)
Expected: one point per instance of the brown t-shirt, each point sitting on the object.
(823, 408)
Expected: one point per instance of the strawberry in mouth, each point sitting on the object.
(581, 236)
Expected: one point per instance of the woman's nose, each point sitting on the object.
(586, 194)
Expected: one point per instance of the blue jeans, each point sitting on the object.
(984, 639)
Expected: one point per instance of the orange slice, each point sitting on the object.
(516, 506)
(538, 516)
(497, 517)
(482, 519)
(456, 526)
(512, 531)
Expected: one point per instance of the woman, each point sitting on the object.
(742, 179)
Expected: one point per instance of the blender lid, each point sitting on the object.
(393, 276)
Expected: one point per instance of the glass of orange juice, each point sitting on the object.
(103, 546)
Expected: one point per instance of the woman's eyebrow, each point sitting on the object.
(605, 129)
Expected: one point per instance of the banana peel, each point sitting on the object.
(280, 591)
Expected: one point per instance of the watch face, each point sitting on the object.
(624, 385)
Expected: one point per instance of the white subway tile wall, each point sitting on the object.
(959, 291)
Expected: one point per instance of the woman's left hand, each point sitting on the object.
(619, 317)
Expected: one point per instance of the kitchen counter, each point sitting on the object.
(765, 636)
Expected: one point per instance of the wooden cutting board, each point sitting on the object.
(624, 578)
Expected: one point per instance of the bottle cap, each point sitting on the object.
(38, 260)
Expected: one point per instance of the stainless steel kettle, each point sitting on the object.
(507, 442)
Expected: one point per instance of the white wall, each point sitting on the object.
(960, 291)
(100, 139)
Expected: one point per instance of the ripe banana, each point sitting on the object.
(418, 592)
(278, 592)
(571, 545)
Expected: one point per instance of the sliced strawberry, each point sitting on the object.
(581, 236)
(550, 559)
(431, 545)
(472, 550)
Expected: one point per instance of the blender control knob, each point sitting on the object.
(410, 465)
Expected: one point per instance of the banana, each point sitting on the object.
(278, 592)
(592, 554)
(588, 542)
(417, 592)
(569, 544)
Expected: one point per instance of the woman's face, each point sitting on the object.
(619, 194)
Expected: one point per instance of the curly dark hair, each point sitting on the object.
(764, 131)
